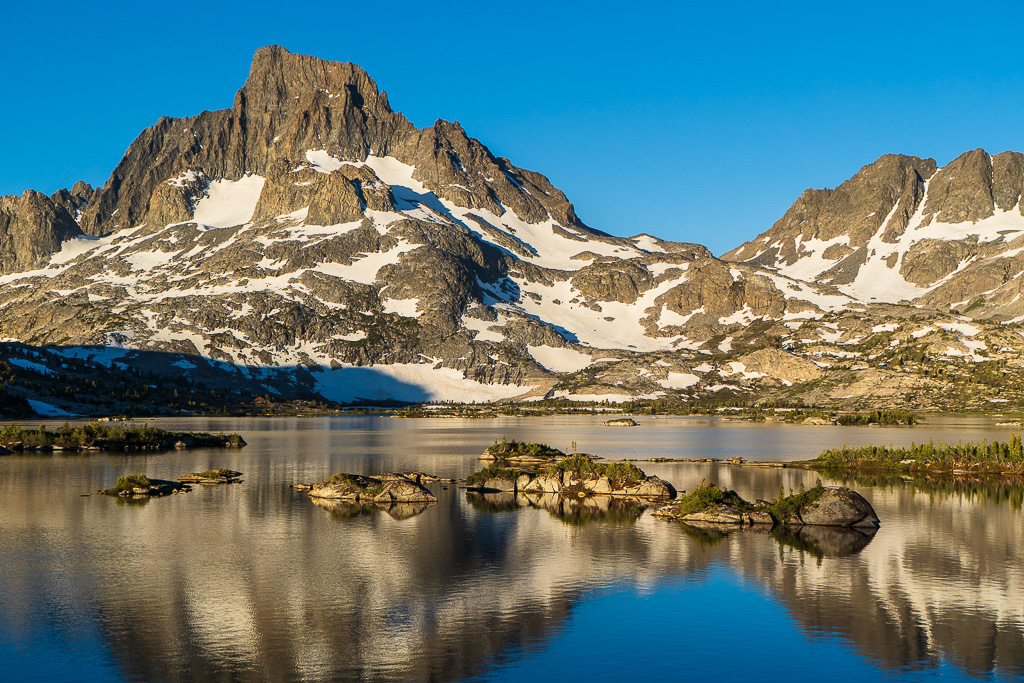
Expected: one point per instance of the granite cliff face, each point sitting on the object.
(311, 242)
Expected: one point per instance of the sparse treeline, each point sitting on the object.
(996, 456)
(104, 436)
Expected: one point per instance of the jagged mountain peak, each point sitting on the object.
(277, 76)
(902, 229)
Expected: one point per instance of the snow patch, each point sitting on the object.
(559, 359)
(29, 365)
(679, 380)
(407, 308)
(47, 410)
(229, 202)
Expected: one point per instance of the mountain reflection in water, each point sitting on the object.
(260, 582)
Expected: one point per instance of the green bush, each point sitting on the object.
(509, 449)
(131, 481)
(221, 473)
(707, 496)
(784, 506)
(341, 479)
(495, 471)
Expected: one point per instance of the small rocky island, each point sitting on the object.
(818, 506)
(139, 485)
(520, 467)
(621, 422)
(382, 488)
(103, 436)
(212, 477)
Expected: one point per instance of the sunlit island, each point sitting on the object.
(817, 506)
(995, 458)
(520, 467)
(103, 436)
(384, 488)
(141, 485)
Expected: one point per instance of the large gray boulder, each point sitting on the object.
(838, 506)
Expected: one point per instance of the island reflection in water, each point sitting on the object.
(259, 582)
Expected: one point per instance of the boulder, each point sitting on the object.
(758, 517)
(720, 514)
(403, 491)
(839, 506)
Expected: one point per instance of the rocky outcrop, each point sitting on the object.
(780, 365)
(212, 477)
(155, 488)
(32, 228)
(837, 506)
(576, 484)
(820, 506)
(720, 514)
(385, 488)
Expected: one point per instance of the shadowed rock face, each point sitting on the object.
(32, 228)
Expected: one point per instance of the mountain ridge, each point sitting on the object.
(309, 234)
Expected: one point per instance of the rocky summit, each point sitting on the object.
(311, 243)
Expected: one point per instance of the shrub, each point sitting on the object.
(495, 471)
(222, 473)
(508, 449)
(341, 479)
(707, 496)
(131, 481)
(787, 505)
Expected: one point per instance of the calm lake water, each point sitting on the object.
(256, 582)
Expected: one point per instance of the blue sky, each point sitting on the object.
(688, 121)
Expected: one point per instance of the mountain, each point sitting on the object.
(310, 243)
(903, 229)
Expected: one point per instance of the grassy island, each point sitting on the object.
(709, 497)
(140, 486)
(537, 468)
(102, 436)
(579, 466)
(973, 458)
(521, 450)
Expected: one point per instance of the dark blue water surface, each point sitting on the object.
(257, 582)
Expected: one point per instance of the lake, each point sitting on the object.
(255, 581)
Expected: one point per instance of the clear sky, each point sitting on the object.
(692, 121)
